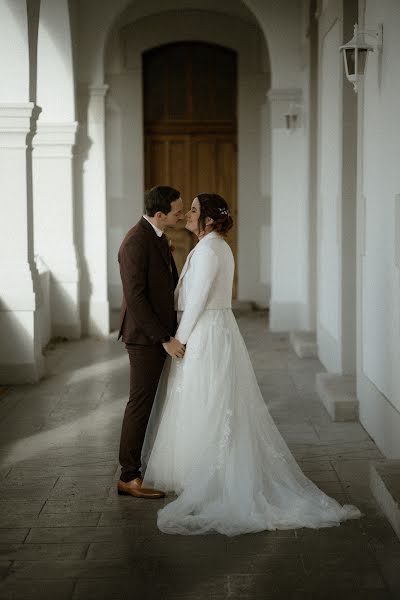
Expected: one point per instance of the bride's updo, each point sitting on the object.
(215, 207)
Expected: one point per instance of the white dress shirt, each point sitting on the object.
(205, 282)
(158, 231)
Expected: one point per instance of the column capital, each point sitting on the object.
(54, 139)
(15, 123)
(98, 90)
(285, 95)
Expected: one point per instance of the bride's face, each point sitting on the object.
(192, 217)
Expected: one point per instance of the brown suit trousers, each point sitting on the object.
(149, 277)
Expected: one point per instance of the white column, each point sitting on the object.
(91, 185)
(20, 348)
(54, 222)
(289, 204)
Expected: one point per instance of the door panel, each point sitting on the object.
(189, 108)
(193, 163)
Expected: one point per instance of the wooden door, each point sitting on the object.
(190, 128)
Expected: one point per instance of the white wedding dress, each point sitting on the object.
(210, 438)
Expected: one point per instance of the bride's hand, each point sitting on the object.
(174, 348)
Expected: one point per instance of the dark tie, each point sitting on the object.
(165, 248)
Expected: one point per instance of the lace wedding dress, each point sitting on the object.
(211, 439)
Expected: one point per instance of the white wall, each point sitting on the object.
(21, 360)
(124, 137)
(281, 23)
(336, 196)
(378, 377)
(329, 197)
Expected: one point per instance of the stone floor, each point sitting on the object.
(64, 533)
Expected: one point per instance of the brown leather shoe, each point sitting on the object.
(134, 488)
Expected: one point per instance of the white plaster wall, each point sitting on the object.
(55, 78)
(288, 224)
(378, 380)
(124, 138)
(13, 19)
(281, 23)
(329, 199)
(21, 360)
(52, 174)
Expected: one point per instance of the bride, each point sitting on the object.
(210, 438)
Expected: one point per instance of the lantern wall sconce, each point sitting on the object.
(355, 52)
(292, 117)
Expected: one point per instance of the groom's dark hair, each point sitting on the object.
(159, 199)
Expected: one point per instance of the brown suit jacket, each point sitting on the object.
(149, 277)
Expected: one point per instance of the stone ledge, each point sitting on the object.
(385, 486)
(338, 394)
(304, 343)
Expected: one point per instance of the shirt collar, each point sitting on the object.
(158, 231)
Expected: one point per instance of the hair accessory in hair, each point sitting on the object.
(224, 211)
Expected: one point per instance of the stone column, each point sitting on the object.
(91, 186)
(289, 220)
(20, 348)
(54, 222)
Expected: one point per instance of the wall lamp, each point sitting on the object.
(292, 117)
(356, 51)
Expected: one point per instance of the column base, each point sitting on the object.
(95, 316)
(65, 317)
(304, 343)
(14, 374)
(338, 394)
(21, 360)
(384, 482)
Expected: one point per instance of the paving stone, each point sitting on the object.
(14, 535)
(40, 469)
(177, 588)
(143, 524)
(4, 568)
(97, 503)
(42, 551)
(10, 520)
(87, 569)
(36, 590)
(178, 547)
(353, 594)
(66, 534)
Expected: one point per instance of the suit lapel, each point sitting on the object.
(156, 240)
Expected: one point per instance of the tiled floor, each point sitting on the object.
(64, 533)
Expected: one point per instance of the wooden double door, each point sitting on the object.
(189, 108)
(193, 163)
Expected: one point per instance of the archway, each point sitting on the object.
(125, 164)
(190, 126)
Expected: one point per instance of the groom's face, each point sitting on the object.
(174, 215)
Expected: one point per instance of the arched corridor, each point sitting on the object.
(311, 171)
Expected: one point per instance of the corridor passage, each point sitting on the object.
(65, 534)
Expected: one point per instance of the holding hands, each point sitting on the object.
(174, 348)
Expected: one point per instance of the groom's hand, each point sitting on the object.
(174, 348)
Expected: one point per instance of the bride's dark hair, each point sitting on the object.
(215, 207)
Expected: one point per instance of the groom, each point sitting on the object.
(148, 322)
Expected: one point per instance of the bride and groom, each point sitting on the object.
(196, 423)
